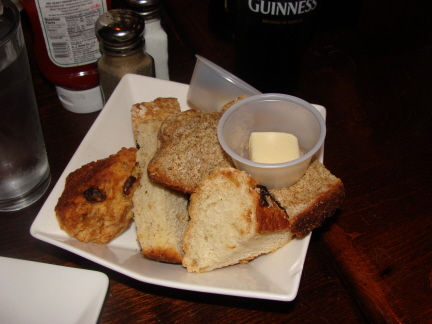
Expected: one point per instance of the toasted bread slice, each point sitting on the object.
(312, 199)
(232, 220)
(160, 214)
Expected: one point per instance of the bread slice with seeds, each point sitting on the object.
(189, 150)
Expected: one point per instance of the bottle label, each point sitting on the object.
(271, 38)
(68, 27)
(282, 12)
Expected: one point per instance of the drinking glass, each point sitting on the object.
(24, 169)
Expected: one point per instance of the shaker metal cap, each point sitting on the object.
(120, 31)
(148, 9)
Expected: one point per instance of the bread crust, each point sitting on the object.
(156, 110)
(161, 254)
(315, 197)
(313, 217)
(96, 204)
(270, 215)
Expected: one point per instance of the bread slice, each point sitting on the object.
(312, 199)
(232, 220)
(189, 150)
(160, 214)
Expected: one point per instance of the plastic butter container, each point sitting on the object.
(272, 113)
(211, 86)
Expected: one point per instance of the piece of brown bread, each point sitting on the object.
(188, 150)
(232, 220)
(160, 214)
(96, 204)
(312, 199)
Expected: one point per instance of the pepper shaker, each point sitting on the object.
(120, 32)
(156, 38)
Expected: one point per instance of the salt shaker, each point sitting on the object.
(156, 38)
(120, 32)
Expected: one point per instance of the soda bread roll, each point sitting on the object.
(96, 204)
(160, 214)
(232, 220)
(312, 199)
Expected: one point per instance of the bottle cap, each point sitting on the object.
(120, 31)
(81, 101)
(148, 9)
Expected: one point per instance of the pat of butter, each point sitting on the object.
(273, 147)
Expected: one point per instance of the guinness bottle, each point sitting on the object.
(271, 38)
(220, 19)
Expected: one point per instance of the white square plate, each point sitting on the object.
(33, 292)
(275, 276)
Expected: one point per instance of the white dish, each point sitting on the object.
(275, 276)
(33, 292)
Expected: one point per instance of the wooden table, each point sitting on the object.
(372, 262)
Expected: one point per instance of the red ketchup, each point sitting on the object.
(67, 49)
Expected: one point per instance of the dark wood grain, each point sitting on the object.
(370, 263)
(379, 117)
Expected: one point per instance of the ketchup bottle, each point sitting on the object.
(66, 48)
